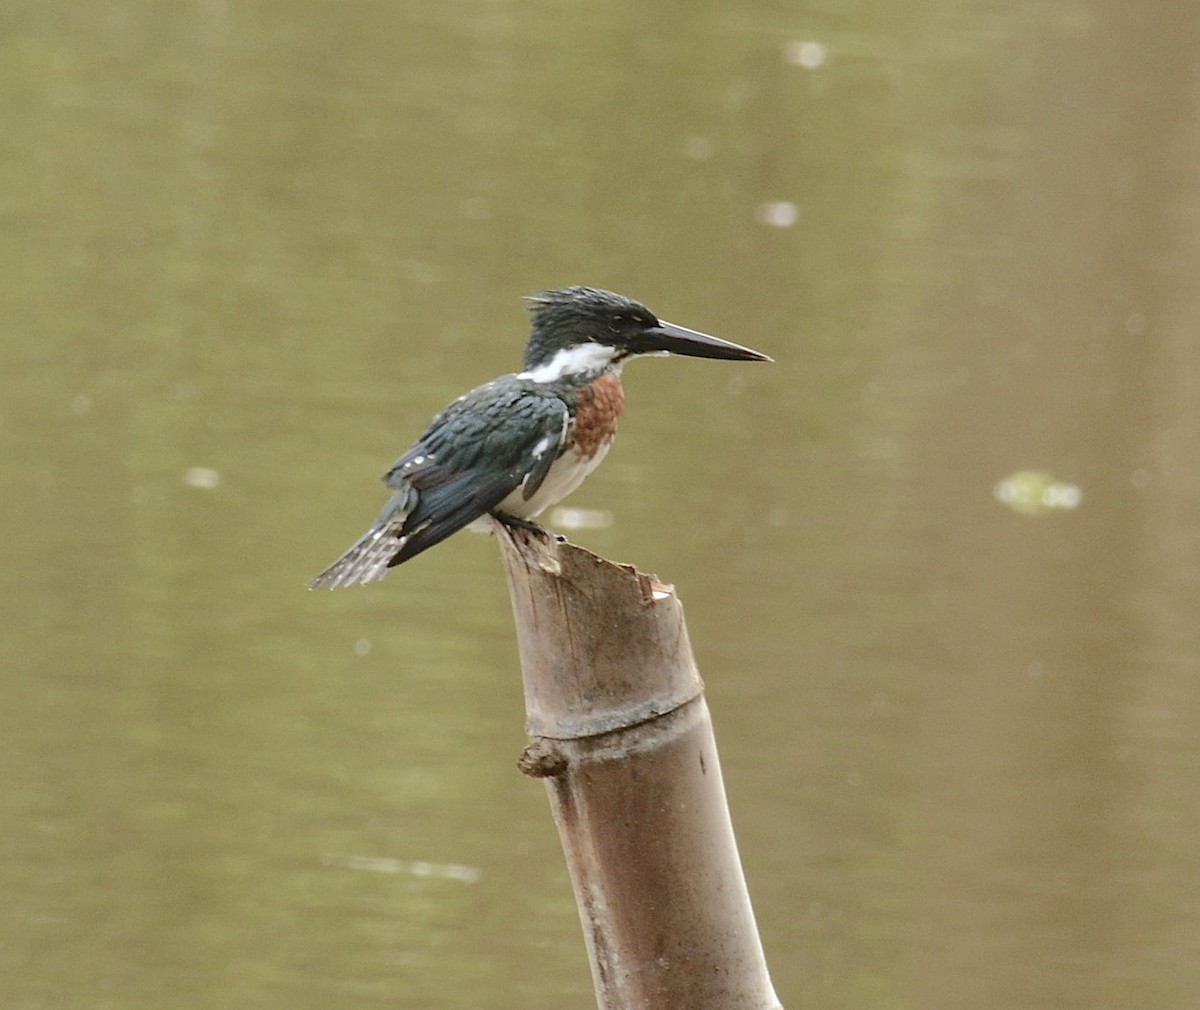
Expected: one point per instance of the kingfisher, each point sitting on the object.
(511, 448)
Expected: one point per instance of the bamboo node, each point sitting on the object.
(542, 759)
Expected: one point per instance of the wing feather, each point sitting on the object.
(499, 437)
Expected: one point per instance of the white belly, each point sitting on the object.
(566, 474)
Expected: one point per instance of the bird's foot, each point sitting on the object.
(513, 523)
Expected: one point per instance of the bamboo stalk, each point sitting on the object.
(620, 734)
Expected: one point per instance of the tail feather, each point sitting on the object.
(367, 559)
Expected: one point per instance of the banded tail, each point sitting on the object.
(366, 561)
(368, 557)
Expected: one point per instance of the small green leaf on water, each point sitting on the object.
(1036, 492)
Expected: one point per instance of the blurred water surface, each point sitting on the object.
(249, 249)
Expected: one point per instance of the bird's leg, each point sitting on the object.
(513, 523)
(528, 525)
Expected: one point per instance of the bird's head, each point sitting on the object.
(581, 329)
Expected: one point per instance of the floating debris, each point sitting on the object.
(581, 519)
(699, 148)
(413, 867)
(1036, 492)
(202, 477)
(808, 54)
(777, 214)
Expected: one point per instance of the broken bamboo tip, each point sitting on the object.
(612, 639)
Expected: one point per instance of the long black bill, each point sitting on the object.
(680, 340)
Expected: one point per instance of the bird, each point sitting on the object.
(511, 448)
